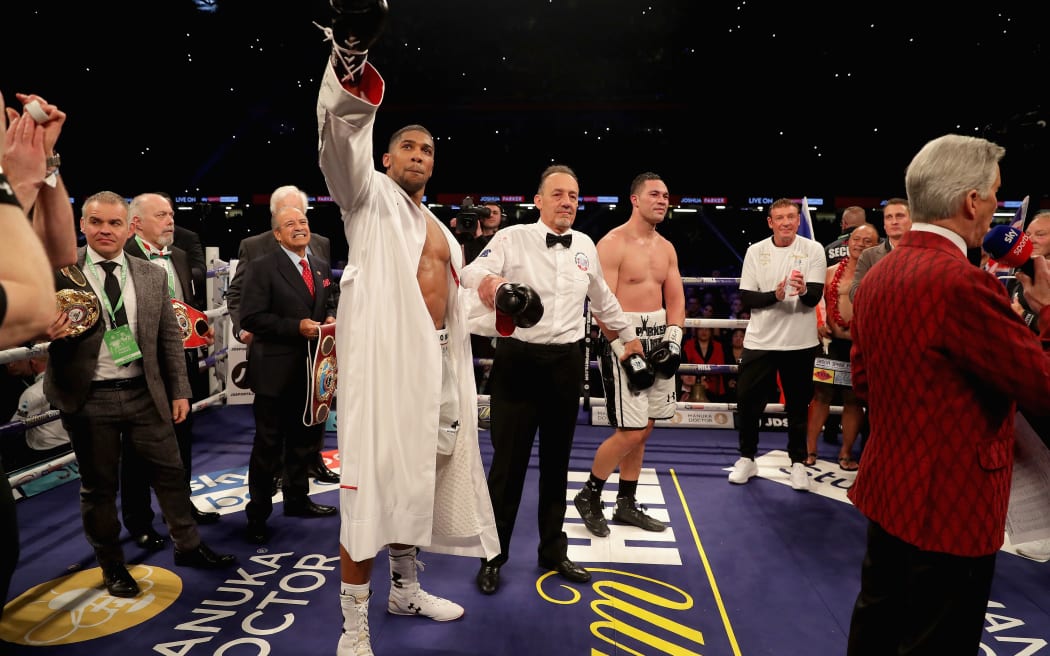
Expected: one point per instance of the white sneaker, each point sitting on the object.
(743, 470)
(354, 640)
(417, 601)
(1037, 550)
(353, 644)
(799, 477)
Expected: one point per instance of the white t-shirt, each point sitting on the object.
(787, 325)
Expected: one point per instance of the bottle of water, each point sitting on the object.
(796, 267)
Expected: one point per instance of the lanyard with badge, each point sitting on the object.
(165, 262)
(119, 340)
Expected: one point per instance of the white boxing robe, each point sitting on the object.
(394, 487)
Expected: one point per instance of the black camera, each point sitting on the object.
(470, 215)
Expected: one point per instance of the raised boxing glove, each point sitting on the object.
(667, 356)
(519, 302)
(358, 23)
(640, 374)
(355, 27)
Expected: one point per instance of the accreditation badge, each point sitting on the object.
(122, 345)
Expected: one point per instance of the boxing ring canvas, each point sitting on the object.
(741, 570)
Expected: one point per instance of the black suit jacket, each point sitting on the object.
(274, 301)
(191, 281)
(190, 242)
(255, 247)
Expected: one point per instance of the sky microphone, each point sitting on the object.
(1010, 247)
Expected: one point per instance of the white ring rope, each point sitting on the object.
(23, 353)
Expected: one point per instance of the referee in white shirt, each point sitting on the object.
(537, 372)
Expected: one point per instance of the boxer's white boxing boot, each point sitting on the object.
(1037, 550)
(407, 598)
(355, 640)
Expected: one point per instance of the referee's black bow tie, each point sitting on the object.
(565, 240)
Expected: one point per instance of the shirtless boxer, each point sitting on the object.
(641, 267)
(839, 314)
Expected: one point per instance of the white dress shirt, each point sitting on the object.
(562, 277)
(105, 368)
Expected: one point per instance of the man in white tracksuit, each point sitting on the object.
(411, 473)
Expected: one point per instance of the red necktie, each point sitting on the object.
(308, 277)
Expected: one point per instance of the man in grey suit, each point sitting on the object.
(254, 248)
(124, 379)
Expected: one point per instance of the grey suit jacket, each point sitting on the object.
(71, 362)
(255, 247)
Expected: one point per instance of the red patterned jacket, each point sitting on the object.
(942, 361)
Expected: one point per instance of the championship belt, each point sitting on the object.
(323, 374)
(79, 302)
(193, 324)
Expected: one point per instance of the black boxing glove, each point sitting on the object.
(356, 26)
(519, 302)
(667, 356)
(640, 374)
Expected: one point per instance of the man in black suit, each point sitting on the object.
(287, 296)
(255, 247)
(190, 242)
(153, 224)
(124, 379)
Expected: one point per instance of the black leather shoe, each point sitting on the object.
(119, 581)
(204, 558)
(202, 517)
(307, 508)
(488, 578)
(321, 472)
(150, 540)
(256, 532)
(568, 570)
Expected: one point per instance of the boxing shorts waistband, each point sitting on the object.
(119, 383)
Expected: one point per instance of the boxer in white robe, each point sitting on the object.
(396, 489)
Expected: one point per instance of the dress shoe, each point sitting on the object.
(119, 582)
(203, 517)
(321, 472)
(256, 532)
(488, 578)
(204, 558)
(568, 570)
(150, 540)
(307, 508)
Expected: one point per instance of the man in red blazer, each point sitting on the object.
(943, 363)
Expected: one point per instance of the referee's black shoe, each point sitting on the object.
(567, 569)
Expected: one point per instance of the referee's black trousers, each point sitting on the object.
(533, 387)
